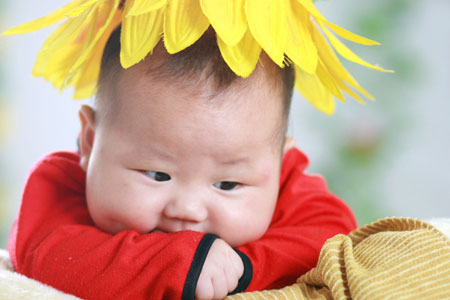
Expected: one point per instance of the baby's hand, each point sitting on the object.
(221, 272)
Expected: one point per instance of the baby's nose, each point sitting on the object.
(187, 208)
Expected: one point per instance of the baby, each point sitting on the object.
(185, 186)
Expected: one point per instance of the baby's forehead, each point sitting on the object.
(214, 87)
(160, 103)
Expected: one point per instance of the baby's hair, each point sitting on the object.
(195, 63)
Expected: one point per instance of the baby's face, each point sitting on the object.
(172, 159)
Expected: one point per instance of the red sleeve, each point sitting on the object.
(307, 214)
(55, 242)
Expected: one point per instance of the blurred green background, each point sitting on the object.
(365, 140)
(389, 157)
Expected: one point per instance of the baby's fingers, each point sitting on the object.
(204, 290)
(238, 265)
(232, 280)
(220, 285)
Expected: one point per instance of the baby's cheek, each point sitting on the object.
(115, 227)
(266, 175)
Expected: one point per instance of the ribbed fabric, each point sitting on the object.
(393, 258)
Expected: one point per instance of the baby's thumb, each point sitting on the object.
(237, 264)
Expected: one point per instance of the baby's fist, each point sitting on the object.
(221, 272)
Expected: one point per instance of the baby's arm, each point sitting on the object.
(55, 242)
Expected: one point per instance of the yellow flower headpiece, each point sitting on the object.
(71, 56)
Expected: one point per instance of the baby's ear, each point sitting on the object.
(289, 143)
(86, 136)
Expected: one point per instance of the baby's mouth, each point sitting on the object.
(157, 230)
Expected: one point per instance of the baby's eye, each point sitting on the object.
(226, 185)
(158, 176)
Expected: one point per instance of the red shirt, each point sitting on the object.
(54, 240)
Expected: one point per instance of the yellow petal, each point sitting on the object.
(335, 68)
(82, 7)
(300, 47)
(68, 32)
(267, 23)
(55, 66)
(349, 91)
(348, 35)
(314, 91)
(43, 22)
(184, 24)
(346, 52)
(328, 81)
(242, 57)
(309, 6)
(139, 36)
(332, 63)
(105, 11)
(59, 52)
(227, 17)
(85, 79)
(140, 7)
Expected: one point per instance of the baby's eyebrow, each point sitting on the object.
(143, 153)
(234, 161)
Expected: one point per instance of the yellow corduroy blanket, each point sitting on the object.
(393, 258)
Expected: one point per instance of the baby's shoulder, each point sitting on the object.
(61, 166)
